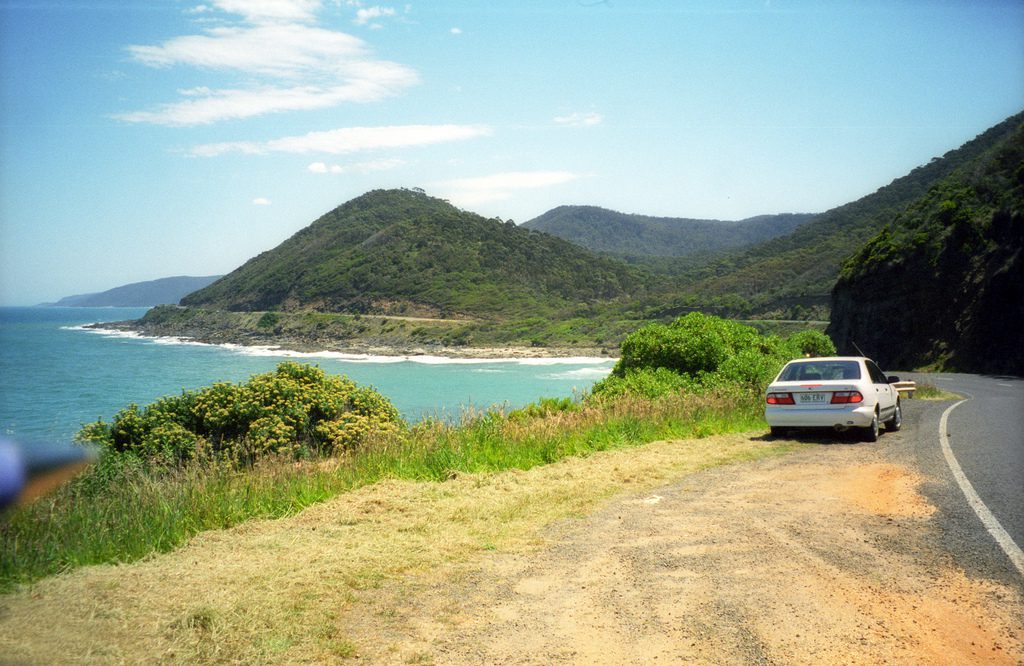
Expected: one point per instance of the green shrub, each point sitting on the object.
(297, 410)
(268, 320)
(644, 382)
(693, 344)
(698, 352)
(810, 343)
(749, 368)
(544, 407)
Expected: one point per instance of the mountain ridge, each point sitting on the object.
(632, 235)
(161, 291)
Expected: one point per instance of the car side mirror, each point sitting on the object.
(892, 379)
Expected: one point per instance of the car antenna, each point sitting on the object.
(859, 351)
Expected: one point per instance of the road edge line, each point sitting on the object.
(990, 522)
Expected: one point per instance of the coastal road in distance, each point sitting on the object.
(985, 439)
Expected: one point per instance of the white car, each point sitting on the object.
(848, 392)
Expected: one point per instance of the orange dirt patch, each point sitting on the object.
(884, 489)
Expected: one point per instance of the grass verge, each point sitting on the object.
(926, 391)
(139, 514)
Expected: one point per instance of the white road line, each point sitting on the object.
(990, 522)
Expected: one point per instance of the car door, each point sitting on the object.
(884, 390)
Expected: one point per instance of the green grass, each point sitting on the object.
(133, 516)
(926, 391)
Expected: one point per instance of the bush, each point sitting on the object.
(542, 408)
(698, 352)
(749, 368)
(645, 382)
(297, 410)
(693, 344)
(810, 343)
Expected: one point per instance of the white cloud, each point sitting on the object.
(579, 119)
(456, 31)
(367, 14)
(261, 201)
(501, 186)
(280, 66)
(203, 108)
(286, 51)
(259, 11)
(369, 166)
(349, 140)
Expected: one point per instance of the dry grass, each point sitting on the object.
(277, 591)
(927, 391)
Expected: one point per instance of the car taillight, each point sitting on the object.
(847, 397)
(781, 399)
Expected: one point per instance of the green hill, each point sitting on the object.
(943, 283)
(635, 236)
(401, 252)
(792, 276)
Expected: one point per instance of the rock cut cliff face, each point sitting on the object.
(966, 313)
(942, 286)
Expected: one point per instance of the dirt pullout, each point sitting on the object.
(825, 556)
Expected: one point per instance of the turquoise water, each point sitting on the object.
(56, 376)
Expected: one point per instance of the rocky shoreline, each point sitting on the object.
(314, 344)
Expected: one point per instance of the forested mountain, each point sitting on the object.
(793, 275)
(631, 236)
(403, 252)
(943, 283)
(140, 294)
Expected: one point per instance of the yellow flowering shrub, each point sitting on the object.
(296, 410)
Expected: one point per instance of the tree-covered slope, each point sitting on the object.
(141, 294)
(943, 283)
(794, 274)
(625, 235)
(403, 252)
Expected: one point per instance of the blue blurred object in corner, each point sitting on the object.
(28, 471)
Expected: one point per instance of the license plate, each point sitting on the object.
(812, 398)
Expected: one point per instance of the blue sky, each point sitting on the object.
(152, 138)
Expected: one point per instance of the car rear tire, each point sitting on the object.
(870, 433)
(896, 422)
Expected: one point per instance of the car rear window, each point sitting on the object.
(801, 371)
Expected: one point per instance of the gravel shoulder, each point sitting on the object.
(825, 556)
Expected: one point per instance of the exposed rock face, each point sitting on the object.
(966, 313)
(943, 285)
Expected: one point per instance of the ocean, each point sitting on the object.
(56, 375)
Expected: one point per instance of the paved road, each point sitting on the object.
(986, 436)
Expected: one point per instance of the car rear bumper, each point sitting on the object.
(792, 416)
